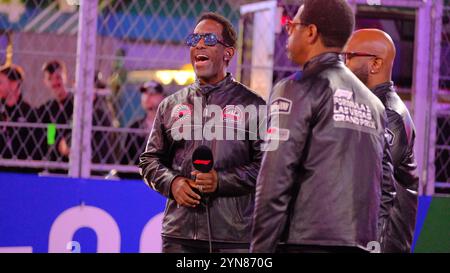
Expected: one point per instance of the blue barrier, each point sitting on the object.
(30, 206)
(52, 214)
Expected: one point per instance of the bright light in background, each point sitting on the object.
(164, 76)
(183, 76)
(68, 5)
(186, 75)
(374, 2)
(73, 2)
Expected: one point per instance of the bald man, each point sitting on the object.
(370, 55)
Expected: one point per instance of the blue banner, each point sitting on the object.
(53, 214)
(49, 214)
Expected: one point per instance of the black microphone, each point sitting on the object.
(202, 159)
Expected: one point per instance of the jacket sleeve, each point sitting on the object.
(241, 180)
(397, 137)
(388, 191)
(276, 180)
(399, 231)
(154, 162)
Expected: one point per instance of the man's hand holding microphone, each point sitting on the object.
(188, 192)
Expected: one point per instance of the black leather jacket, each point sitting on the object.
(399, 230)
(237, 163)
(323, 185)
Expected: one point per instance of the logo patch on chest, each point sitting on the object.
(232, 113)
(181, 112)
(281, 106)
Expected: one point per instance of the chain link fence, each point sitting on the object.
(141, 42)
(442, 163)
(32, 33)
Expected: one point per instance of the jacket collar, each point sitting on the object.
(382, 89)
(324, 59)
(208, 88)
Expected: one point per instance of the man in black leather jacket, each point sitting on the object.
(321, 190)
(166, 165)
(370, 55)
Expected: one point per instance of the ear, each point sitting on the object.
(229, 53)
(313, 34)
(376, 65)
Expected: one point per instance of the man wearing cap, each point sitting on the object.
(18, 141)
(152, 93)
(11, 80)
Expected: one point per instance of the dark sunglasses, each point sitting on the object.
(210, 39)
(350, 55)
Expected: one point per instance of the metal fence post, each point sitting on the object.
(80, 156)
(435, 61)
(422, 99)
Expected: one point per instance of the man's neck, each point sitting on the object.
(321, 50)
(374, 82)
(214, 80)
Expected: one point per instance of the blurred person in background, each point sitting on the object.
(152, 93)
(60, 111)
(11, 80)
(370, 54)
(18, 142)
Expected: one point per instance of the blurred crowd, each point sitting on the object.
(44, 132)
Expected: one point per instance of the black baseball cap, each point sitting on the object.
(151, 87)
(13, 72)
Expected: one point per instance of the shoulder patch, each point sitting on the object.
(281, 106)
(390, 136)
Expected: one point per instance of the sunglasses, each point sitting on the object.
(210, 39)
(349, 55)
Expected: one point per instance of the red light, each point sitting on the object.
(284, 20)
